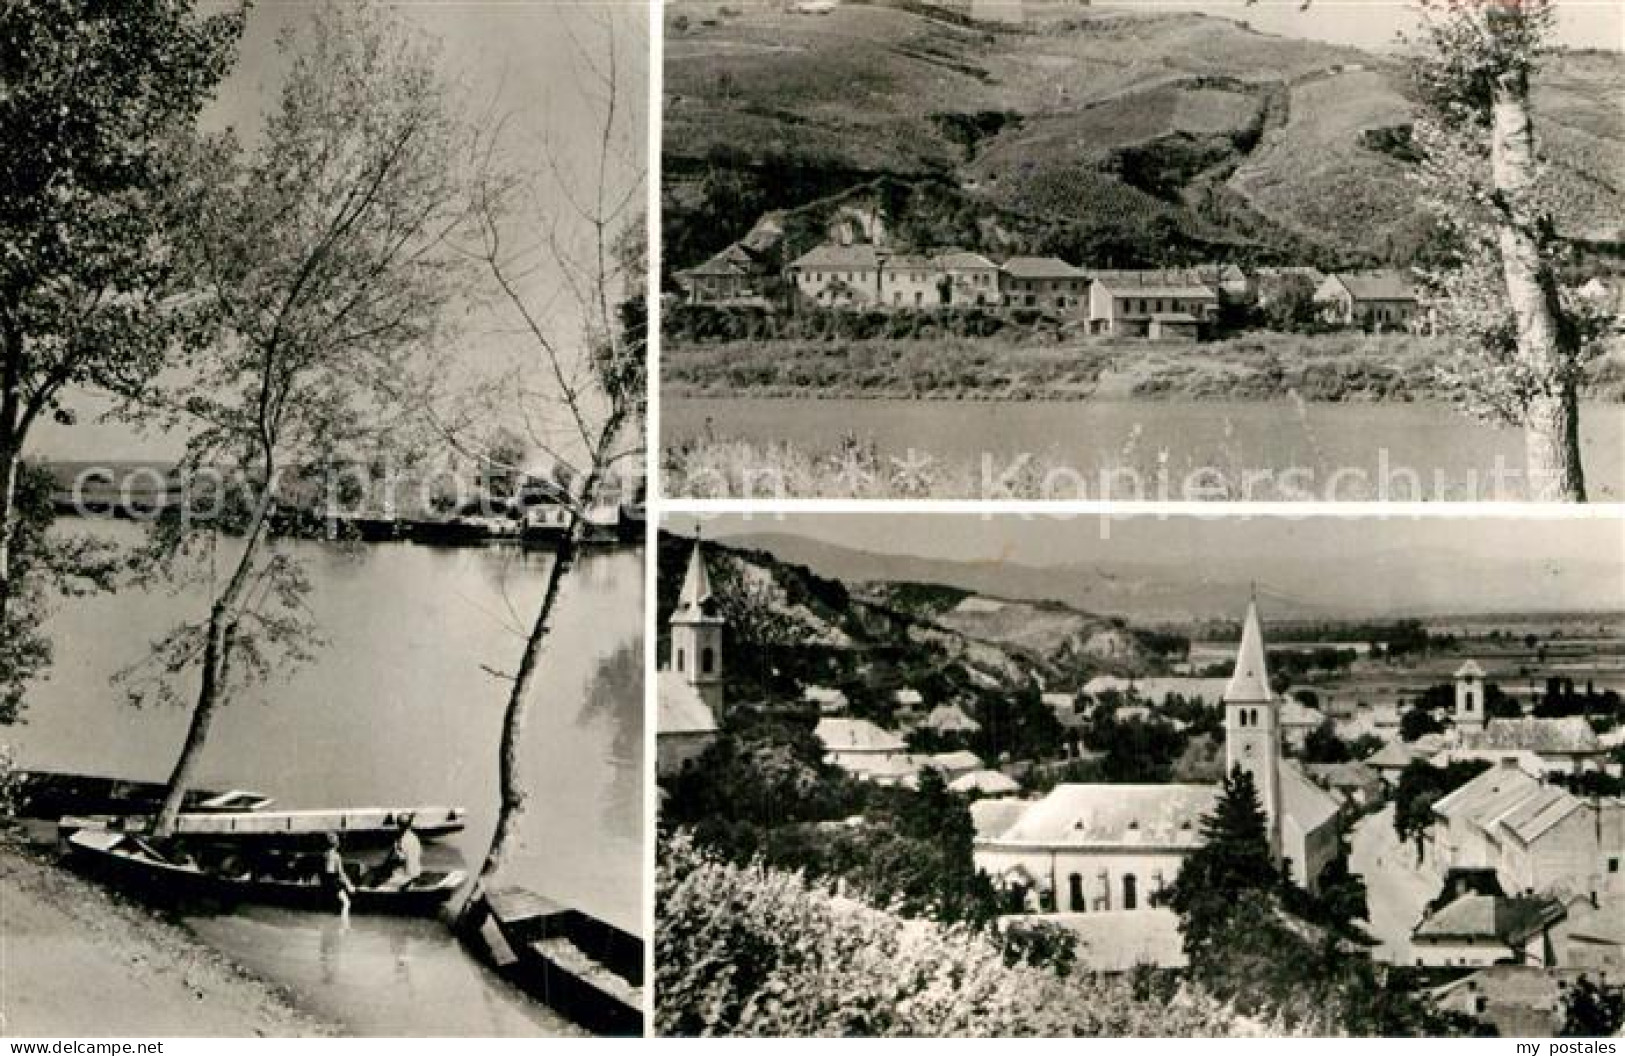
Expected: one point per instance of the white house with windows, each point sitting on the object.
(1149, 304)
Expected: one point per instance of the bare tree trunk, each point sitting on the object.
(511, 784)
(217, 652)
(1551, 423)
(512, 796)
(11, 454)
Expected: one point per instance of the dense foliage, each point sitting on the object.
(747, 950)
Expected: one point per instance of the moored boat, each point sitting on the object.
(52, 794)
(292, 880)
(355, 826)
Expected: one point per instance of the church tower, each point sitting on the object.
(1469, 699)
(696, 633)
(1252, 729)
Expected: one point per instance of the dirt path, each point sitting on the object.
(76, 962)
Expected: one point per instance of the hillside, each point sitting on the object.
(827, 630)
(1129, 135)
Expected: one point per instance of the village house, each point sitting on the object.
(836, 276)
(1091, 848)
(865, 750)
(736, 275)
(1355, 784)
(1373, 300)
(1154, 304)
(911, 281)
(1478, 930)
(1518, 1000)
(973, 280)
(1536, 836)
(985, 783)
(689, 690)
(1046, 283)
(950, 720)
(1564, 745)
(828, 700)
(951, 765)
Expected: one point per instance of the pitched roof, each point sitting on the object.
(1382, 285)
(856, 735)
(1148, 815)
(1483, 917)
(737, 259)
(852, 258)
(907, 696)
(992, 818)
(1342, 775)
(1470, 669)
(1555, 736)
(960, 260)
(1394, 754)
(1308, 805)
(1154, 284)
(988, 782)
(682, 710)
(1294, 712)
(1041, 268)
(1250, 682)
(1485, 798)
(947, 718)
(967, 761)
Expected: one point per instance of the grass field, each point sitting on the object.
(1334, 367)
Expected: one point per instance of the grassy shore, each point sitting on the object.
(76, 961)
(1323, 367)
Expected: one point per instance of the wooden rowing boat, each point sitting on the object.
(51, 794)
(272, 878)
(582, 967)
(356, 826)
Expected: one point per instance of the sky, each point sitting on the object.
(1457, 564)
(1374, 24)
(520, 58)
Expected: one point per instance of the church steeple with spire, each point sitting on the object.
(1252, 729)
(696, 633)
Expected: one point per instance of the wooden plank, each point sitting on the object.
(515, 905)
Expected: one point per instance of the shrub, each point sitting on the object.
(750, 951)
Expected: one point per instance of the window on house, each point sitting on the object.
(1613, 865)
(708, 661)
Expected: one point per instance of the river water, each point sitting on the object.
(400, 706)
(1343, 451)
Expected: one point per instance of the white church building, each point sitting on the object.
(1089, 848)
(690, 687)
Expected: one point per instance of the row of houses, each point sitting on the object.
(1168, 303)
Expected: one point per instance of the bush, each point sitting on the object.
(750, 951)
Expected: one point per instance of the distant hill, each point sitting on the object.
(1133, 133)
(1189, 588)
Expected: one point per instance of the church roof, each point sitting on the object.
(1547, 736)
(1251, 680)
(697, 596)
(1470, 669)
(1149, 815)
(682, 709)
(1308, 805)
(992, 818)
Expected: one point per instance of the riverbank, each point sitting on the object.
(78, 961)
(1337, 367)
